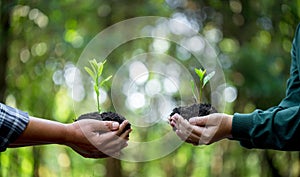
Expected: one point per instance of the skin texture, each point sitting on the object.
(202, 130)
(89, 138)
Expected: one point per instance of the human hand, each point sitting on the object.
(202, 130)
(97, 139)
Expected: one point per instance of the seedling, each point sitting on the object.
(96, 73)
(203, 81)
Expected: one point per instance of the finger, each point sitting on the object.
(188, 131)
(111, 125)
(174, 120)
(181, 135)
(104, 126)
(197, 130)
(194, 142)
(184, 125)
(185, 129)
(115, 141)
(122, 127)
(191, 136)
(125, 135)
(200, 121)
(187, 136)
(175, 117)
(193, 139)
(172, 123)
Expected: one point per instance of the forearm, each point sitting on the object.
(41, 131)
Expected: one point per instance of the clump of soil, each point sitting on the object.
(105, 116)
(194, 110)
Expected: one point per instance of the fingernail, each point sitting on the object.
(175, 116)
(192, 120)
(115, 125)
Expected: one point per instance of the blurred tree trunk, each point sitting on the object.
(113, 167)
(6, 6)
(268, 159)
(36, 161)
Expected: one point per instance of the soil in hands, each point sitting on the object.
(105, 116)
(194, 110)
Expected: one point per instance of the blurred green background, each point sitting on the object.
(42, 40)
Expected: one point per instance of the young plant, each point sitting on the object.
(203, 81)
(96, 73)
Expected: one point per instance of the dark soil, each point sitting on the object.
(194, 110)
(105, 116)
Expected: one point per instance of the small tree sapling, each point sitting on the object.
(199, 108)
(95, 73)
(203, 80)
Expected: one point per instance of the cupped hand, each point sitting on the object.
(202, 130)
(97, 139)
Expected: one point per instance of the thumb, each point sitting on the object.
(200, 121)
(112, 125)
(106, 126)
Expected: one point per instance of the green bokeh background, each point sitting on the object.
(42, 39)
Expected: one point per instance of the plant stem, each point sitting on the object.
(98, 94)
(98, 103)
(200, 94)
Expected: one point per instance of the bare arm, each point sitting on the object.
(90, 138)
(41, 131)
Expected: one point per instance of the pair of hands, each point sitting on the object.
(97, 139)
(202, 130)
(100, 139)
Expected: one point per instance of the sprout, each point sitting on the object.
(203, 80)
(95, 73)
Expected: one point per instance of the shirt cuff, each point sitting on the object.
(241, 127)
(12, 124)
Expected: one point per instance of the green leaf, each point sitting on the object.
(200, 73)
(207, 78)
(103, 62)
(90, 72)
(94, 65)
(100, 69)
(105, 80)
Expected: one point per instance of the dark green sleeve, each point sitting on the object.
(278, 127)
(275, 128)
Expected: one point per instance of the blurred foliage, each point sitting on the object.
(46, 38)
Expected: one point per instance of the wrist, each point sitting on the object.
(69, 134)
(229, 126)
